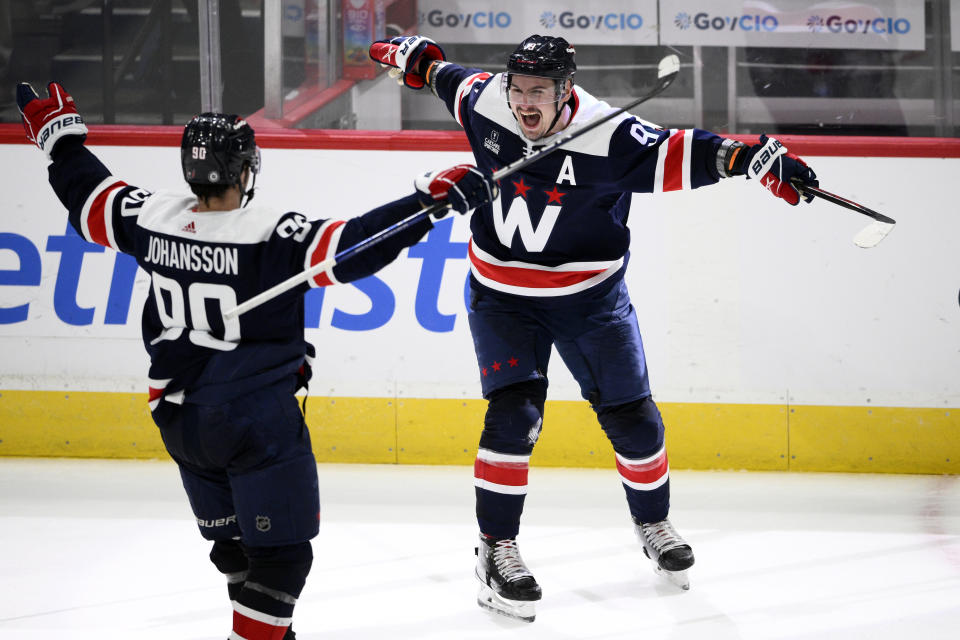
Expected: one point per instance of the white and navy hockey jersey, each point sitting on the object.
(202, 264)
(559, 226)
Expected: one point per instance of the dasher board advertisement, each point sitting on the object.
(880, 24)
(481, 21)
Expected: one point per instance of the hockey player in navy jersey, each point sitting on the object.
(547, 261)
(222, 390)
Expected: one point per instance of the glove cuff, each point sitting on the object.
(70, 124)
(731, 158)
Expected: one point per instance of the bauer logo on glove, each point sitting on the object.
(404, 54)
(776, 169)
(46, 121)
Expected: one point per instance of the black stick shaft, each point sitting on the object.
(843, 202)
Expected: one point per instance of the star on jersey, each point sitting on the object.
(521, 189)
(554, 196)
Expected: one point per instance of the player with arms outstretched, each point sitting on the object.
(222, 390)
(547, 261)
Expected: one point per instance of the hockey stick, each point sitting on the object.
(667, 71)
(329, 263)
(868, 237)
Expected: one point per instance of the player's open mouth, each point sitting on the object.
(530, 120)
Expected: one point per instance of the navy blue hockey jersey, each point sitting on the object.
(202, 264)
(559, 226)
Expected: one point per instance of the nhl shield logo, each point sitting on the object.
(263, 523)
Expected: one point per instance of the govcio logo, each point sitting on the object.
(478, 19)
(875, 26)
(608, 21)
(705, 21)
(815, 24)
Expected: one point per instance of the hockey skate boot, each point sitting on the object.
(670, 554)
(508, 587)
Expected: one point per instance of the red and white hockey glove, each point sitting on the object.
(464, 186)
(776, 169)
(48, 120)
(404, 54)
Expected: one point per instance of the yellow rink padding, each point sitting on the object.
(446, 431)
(875, 439)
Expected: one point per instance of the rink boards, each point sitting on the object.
(773, 342)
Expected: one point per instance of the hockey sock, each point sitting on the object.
(228, 557)
(263, 610)
(636, 431)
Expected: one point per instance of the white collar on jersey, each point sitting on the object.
(491, 105)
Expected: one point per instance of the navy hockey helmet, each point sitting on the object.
(543, 57)
(216, 147)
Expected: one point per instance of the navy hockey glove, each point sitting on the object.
(776, 169)
(404, 54)
(464, 186)
(48, 120)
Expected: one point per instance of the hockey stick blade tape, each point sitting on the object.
(668, 66)
(871, 235)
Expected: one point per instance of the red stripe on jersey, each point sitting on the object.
(511, 474)
(154, 394)
(646, 472)
(321, 251)
(464, 91)
(251, 629)
(523, 277)
(97, 219)
(673, 164)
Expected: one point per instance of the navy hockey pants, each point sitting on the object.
(246, 465)
(599, 342)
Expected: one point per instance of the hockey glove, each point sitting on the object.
(464, 186)
(48, 120)
(404, 54)
(776, 169)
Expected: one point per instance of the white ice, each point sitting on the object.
(108, 550)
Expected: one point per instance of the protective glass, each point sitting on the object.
(521, 89)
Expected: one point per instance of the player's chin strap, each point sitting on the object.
(562, 86)
(248, 194)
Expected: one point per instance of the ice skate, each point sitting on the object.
(508, 587)
(670, 554)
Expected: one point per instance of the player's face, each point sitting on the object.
(533, 101)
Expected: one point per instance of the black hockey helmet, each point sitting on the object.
(543, 56)
(216, 147)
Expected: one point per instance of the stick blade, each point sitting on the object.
(871, 235)
(669, 66)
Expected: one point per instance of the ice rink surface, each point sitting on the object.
(108, 550)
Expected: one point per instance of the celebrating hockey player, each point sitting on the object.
(222, 390)
(547, 262)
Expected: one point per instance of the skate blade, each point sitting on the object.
(679, 578)
(516, 609)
